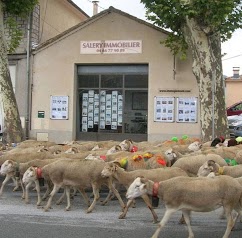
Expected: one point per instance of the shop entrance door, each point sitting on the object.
(112, 102)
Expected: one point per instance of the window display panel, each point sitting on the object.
(186, 109)
(101, 110)
(89, 110)
(111, 115)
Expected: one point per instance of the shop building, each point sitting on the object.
(110, 78)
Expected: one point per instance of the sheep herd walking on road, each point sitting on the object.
(185, 174)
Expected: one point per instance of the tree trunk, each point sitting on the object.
(12, 130)
(207, 68)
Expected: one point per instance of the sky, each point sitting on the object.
(231, 48)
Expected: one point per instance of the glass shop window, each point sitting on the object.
(88, 81)
(136, 81)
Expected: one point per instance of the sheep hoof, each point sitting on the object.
(88, 211)
(121, 216)
(68, 209)
(26, 202)
(182, 221)
(46, 209)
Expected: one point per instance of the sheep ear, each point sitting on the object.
(143, 180)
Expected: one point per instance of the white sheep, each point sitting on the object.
(191, 164)
(125, 178)
(15, 170)
(186, 149)
(211, 166)
(80, 174)
(33, 174)
(192, 194)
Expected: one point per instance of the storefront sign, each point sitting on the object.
(111, 47)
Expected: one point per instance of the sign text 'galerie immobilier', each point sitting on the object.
(111, 47)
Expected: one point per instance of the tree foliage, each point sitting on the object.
(213, 16)
(14, 9)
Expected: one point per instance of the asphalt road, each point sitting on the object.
(20, 220)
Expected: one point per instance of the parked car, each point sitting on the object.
(235, 109)
(234, 122)
(238, 129)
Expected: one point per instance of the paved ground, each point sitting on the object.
(20, 220)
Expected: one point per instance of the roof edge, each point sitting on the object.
(78, 8)
(91, 20)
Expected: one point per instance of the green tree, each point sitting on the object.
(201, 26)
(12, 131)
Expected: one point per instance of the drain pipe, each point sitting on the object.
(28, 104)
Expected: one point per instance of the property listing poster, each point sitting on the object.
(104, 109)
(59, 107)
(186, 109)
(164, 109)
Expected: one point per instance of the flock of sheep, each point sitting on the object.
(186, 175)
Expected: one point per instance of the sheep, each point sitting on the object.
(192, 194)
(126, 178)
(32, 175)
(25, 157)
(191, 164)
(224, 152)
(211, 166)
(185, 149)
(238, 157)
(15, 170)
(80, 174)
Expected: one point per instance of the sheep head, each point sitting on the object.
(207, 168)
(109, 169)
(137, 188)
(29, 175)
(7, 167)
(126, 145)
(195, 146)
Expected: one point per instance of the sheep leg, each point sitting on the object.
(74, 193)
(165, 219)
(85, 197)
(230, 221)
(47, 192)
(27, 192)
(7, 178)
(123, 214)
(23, 189)
(68, 198)
(53, 192)
(60, 200)
(108, 198)
(148, 204)
(16, 185)
(37, 187)
(95, 190)
(116, 193)
(186, 215)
